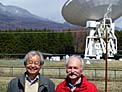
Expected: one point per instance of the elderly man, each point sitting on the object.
(75, 80)
(32, 80)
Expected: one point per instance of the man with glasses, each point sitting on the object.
(32, 80)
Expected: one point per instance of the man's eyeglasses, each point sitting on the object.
(33, 62)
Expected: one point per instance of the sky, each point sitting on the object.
(49, 9)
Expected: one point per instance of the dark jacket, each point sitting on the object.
(17, 84)
(85, 86)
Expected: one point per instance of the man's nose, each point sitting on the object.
(72, 70)
(32, 64)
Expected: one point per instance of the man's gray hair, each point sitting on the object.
(75, 56)
(32, 53)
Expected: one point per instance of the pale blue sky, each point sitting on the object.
(50, 9)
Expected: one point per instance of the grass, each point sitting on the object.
(95, 64)
(11, 62)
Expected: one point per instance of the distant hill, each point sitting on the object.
(118, 28)
(12, 17)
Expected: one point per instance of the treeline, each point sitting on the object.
(48, 41)
(119, 40)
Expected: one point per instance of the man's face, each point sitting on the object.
(33, 65)
(74, 69)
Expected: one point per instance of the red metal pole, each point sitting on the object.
(106, 63)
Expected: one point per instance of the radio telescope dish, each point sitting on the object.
(79, 11)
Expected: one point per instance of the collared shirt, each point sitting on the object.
(32, 81)
(72, 87)
(31, 85)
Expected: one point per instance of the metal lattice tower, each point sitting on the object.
(95, 42)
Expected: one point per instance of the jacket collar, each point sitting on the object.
(81, 85)
(22, 80)
(42, 82)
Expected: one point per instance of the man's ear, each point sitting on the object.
(82, 71)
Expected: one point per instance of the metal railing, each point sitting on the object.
(54, 72)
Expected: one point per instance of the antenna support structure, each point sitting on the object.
(96, 41)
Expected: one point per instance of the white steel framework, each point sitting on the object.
(95, 42)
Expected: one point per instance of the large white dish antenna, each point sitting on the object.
(79, 11)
